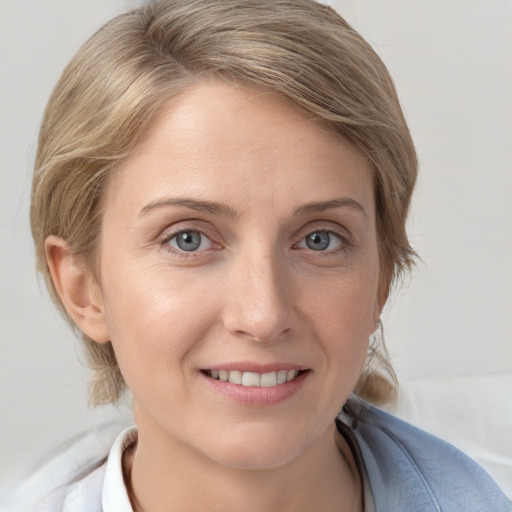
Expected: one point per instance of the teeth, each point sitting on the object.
(253, 379)
(291, 374)
(250, 379)
(235, 377)
(268, 379)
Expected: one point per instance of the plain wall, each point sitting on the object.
(452, 64)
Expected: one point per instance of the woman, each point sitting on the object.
(219, 205)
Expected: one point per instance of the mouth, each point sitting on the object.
(255, 379)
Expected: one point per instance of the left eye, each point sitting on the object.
(190, 241)
(321, 241)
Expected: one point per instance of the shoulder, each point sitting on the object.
(69, 478)
(409, 469)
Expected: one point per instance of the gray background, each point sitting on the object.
(452, 63)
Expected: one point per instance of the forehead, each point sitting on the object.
(218, 139)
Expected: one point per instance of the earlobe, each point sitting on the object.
(77, 289)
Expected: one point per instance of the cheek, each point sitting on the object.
(155, 318)
(343, 316)
(346, 303)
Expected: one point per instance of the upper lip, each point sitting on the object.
(251, 366)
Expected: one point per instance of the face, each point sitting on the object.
(239, 276)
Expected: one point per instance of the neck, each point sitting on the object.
(324, 477)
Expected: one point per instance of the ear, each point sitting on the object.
(77, 289)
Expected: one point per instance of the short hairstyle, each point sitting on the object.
(134, 65)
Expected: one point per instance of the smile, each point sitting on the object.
(254, 379)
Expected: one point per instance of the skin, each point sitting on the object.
(254, 291)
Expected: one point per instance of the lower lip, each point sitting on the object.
(257, 396)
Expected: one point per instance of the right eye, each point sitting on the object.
(190, 241)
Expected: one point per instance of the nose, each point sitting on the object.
(258, 304)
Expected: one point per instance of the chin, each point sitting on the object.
(256, 449)
(254, 459)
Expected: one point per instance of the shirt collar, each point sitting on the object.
(115, 495)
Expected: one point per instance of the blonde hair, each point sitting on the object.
(126, 72)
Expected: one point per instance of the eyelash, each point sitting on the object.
(165, 242)
(344, 243)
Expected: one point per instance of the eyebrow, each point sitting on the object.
(225, 210)
(193, 204)
(321, 206)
